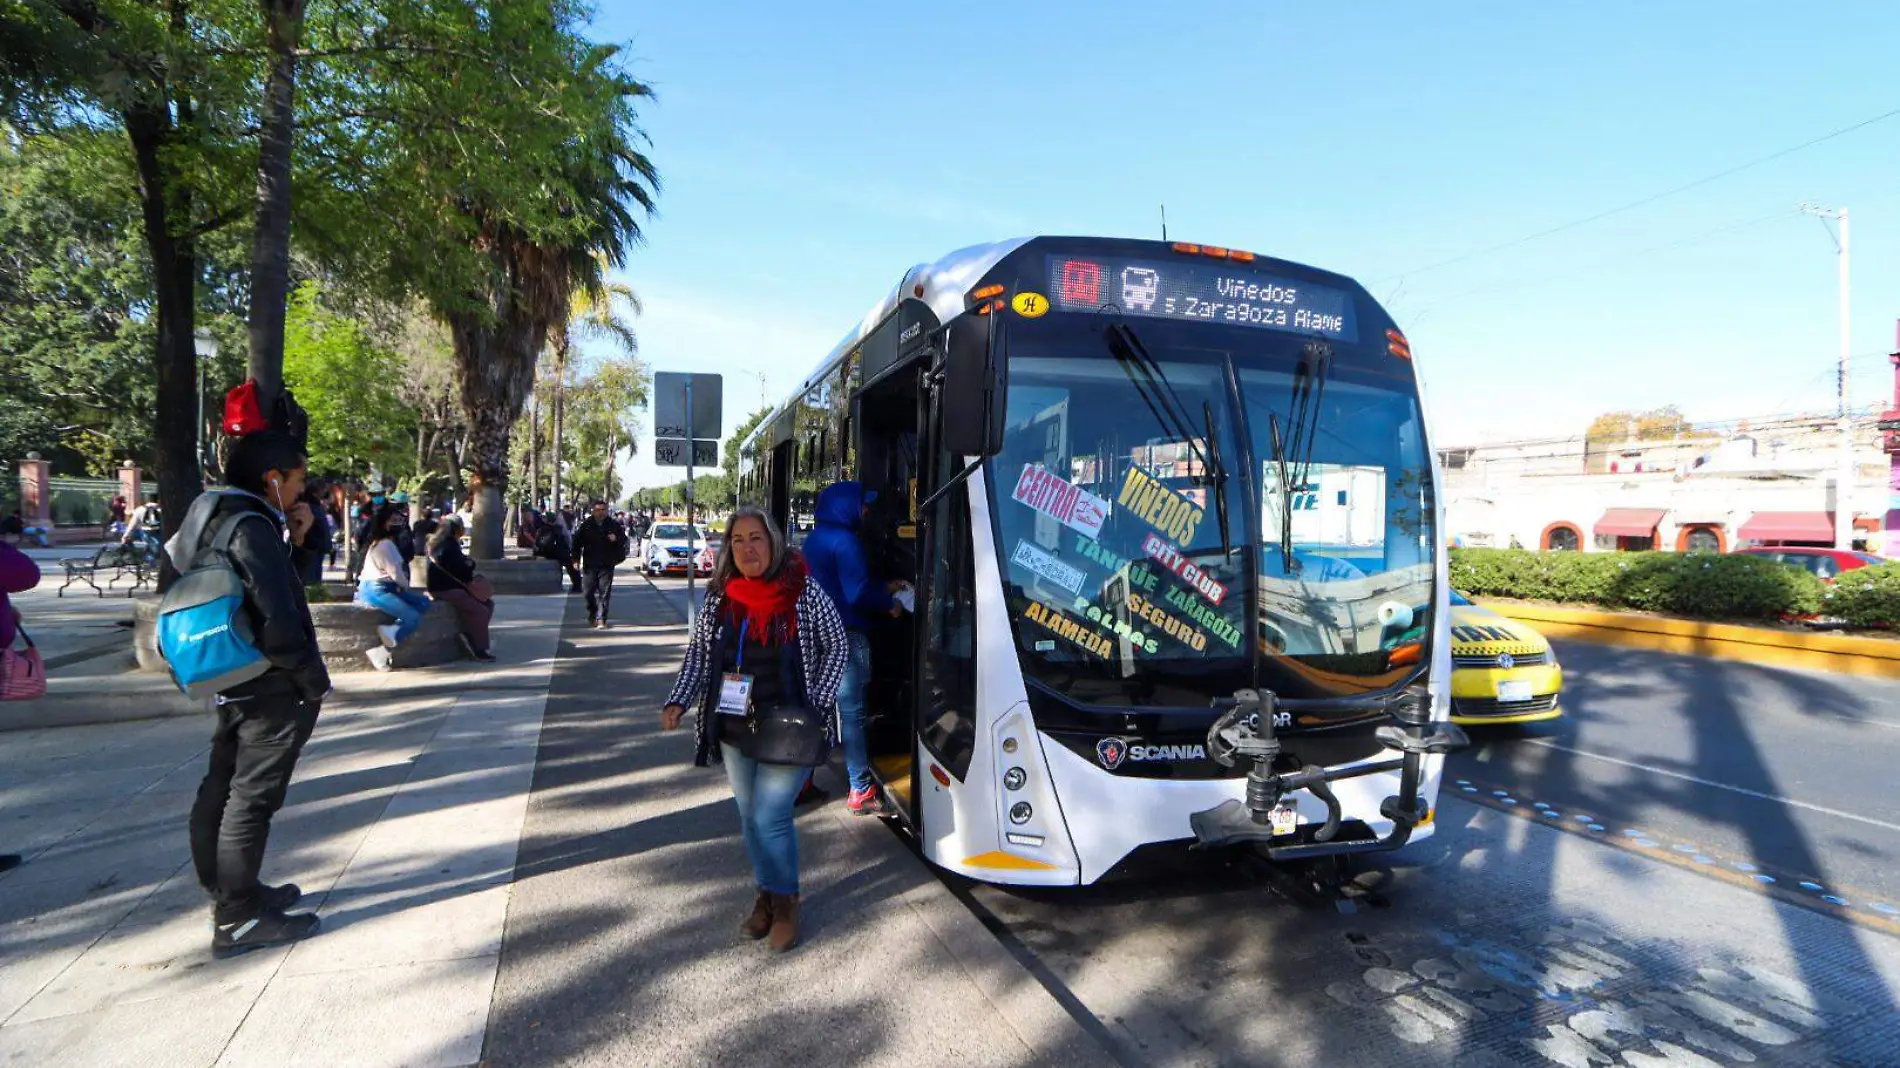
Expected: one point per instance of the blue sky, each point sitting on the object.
(813, 152)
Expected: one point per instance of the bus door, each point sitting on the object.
(885, 421)
(945, 703)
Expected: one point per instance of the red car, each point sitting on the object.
(1824, 563)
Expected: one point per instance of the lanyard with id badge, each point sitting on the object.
(735, 688)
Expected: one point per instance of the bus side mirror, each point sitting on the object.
(974, 385)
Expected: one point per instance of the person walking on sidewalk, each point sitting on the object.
(262, 724)
(18, 573)
(385, 584)
(599, 546)
(452, 578)
(767, 637)
(838, 564)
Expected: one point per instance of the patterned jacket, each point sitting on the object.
(823, 646)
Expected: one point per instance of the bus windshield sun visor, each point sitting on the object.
(1162, 400)
(1309, 386)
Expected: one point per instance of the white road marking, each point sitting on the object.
(1823, 809)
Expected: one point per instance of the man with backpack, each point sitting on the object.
(599, 545)
(254, 527)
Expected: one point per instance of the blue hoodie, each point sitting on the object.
(836, 558)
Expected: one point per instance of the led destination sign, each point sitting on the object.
(1167, 289)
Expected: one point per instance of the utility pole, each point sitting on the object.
(1845, 476)
(1890, 443)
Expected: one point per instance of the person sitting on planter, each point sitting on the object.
(385, 584)
(452, 578)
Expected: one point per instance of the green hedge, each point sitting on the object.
(1866, 597)
(1697, 585)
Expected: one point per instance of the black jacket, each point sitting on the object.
(600, 542)
(273, 592)
(449, 567)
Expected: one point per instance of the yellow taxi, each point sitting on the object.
(1502, 670)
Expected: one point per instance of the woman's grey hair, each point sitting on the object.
(725, 570)
(449, 527)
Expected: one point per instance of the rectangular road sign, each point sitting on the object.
(669, 406)
(671, 452)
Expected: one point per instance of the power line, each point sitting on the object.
(1644, 201)
(1684, 242)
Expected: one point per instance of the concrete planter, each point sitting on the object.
(523, 577)
(345, 630)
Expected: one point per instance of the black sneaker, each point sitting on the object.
(10, 861)
(485, 656)
(278, 898)
(270, 927)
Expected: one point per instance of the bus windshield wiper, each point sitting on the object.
(1309, 386)
(1158, 393)
(1220, 480)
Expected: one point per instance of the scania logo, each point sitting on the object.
(1113, 752)
(1506, 661)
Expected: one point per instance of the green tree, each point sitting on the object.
(598, 309)
(1656, 424)
(605, 409)
(349, 386)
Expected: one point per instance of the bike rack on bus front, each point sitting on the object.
(1246, 731)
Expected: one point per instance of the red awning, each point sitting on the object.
(1630, 522)
(1788, 526)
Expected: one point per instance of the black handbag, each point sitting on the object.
(793, 736)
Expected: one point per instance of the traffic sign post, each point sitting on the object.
(687, 419)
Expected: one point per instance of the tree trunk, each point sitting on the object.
(560, 410)
(270, 241)
(534, 450)
(607, 483)
(163, 202)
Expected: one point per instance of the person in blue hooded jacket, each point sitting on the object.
(837, 562)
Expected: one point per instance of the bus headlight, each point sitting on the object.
(1015, 779)
(1020, 812)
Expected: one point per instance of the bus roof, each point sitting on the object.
(944, 283)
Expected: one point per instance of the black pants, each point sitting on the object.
(600, 589)
(253, 753)
(573, 574)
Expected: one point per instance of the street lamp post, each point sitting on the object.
(206, 347)
(1845, 477)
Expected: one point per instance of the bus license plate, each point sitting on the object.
(1513, 691)
(1285, 818)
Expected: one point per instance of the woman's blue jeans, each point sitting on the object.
(406, 607)
(765, 793)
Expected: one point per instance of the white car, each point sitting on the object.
(666, 551)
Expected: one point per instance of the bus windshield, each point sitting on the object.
(1142, 502)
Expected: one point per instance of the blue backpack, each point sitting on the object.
(203, 633)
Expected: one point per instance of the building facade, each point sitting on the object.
(1772, 482)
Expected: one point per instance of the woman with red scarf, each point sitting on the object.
(767, 636)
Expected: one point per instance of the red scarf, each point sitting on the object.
(766, 606)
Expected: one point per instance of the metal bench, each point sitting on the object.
(139, 562)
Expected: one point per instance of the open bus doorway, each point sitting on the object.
(886, 419)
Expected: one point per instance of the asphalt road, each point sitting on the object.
(1695, 866)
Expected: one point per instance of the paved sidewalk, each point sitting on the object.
(401, 827)
(436, 811)
(623, 945)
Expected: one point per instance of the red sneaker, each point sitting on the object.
(866, 802)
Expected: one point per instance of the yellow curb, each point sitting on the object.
(1723, 641)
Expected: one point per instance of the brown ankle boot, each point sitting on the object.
(759, 922)
(784, 921)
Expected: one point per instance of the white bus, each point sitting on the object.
(1171, 511)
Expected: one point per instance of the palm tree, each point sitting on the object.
(602, 185)
(594, 311)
